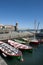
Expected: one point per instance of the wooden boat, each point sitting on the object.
(19, 41)
(25, 39)
(32, 41)
(9, 50)
(19, 45)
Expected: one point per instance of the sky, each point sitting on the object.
(25, 12)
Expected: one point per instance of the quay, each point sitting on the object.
(2, 62)
(12, 35)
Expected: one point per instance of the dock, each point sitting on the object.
(12, 35)
(2, 61)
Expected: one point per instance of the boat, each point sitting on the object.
(10, 51)
(25, 39)
(20, 46)
(19, 41)
(40, 40)
(34, 41)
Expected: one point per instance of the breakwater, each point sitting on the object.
(12, 35)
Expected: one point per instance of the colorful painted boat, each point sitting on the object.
(32, 41)
(10, 51)
(19, 45)
(19, 41)
(25, 39)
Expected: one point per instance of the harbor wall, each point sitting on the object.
(12, 35)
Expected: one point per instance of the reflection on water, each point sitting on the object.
(34, 58)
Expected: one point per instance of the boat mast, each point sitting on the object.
(34, 28)
(38, 26)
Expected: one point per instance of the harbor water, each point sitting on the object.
(34, 58)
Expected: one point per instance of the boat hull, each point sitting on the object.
(9, 50)
(26, 50)
(34, 42)
(20, 46)
(41, 40)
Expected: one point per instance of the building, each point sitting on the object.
(1, 26)
(8, 27)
